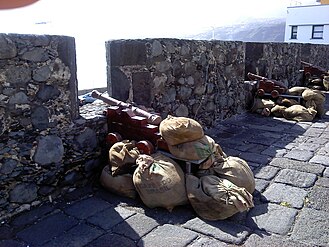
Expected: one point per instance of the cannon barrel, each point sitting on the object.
(258, 77)
(151, 118)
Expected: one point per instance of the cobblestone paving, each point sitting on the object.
(290, 162)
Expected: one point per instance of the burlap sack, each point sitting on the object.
(297, 91)
(318, 97)
(159, 181)
(121, 185)
(215, 198)
(237, 171)
(287, 102)
(261, 104)
(177, 130)
(122, 157)
(196, 150)
(299, 113)
(277, 111)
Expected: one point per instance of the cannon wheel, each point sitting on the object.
(145, 147)
(112, 138)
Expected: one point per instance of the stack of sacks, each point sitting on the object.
(117, 175)
(313, 105)
(223, 185)
(156, 178)
(186, 141)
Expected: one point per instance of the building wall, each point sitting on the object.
(305, 17)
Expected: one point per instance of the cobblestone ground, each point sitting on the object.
(290, 162)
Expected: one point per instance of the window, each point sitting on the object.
(317, 32)
(293, 32)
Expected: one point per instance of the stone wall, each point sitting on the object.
(46, 147)
(198, 79)
(282, 61)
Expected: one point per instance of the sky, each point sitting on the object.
(95, 21)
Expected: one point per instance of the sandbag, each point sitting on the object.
(121, 185)
(214, 198)
(196, 150)
(159, 181)
(259, 104)
(122, 157)
(277, 111)
(237, 171)
(177, 130)
(297, 91)
(318, 97)
(287, 102)
(299, 113)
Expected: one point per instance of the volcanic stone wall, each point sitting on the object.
(282, 61)
(199, 79)
(205, 80)
(46, 147)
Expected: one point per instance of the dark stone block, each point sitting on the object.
(136, 226)
(120, 84)
(86, 208)
(79, 235)
(32, 216)
(111, 239)
(40, 118)
(48, 92)
(46, 229)
(110, 217)
(223, 230)
(141, 83)
(178, 237)
(129, 52)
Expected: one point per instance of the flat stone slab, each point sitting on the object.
(320, 159)
(312, 227)
(46, 229)
(110, 217)
(87, 207)
(257, 158)
(297, 165)
(261, 239)
(168, 235)
(285, 194)
(309, 146)
(261, 184)
(319, 198)
(111, 239)
(299, 154)
(295, 178)
(136, 226)
(223, 230)
(274, 151)
(272, 218)
(79, 235)
(31, 216)
(203, 241)
(266, 172)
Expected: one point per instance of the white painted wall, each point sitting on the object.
(305, 17)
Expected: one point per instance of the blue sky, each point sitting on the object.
(95, 21)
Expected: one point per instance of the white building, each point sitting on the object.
(308, 24)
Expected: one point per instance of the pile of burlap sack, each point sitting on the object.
(312, 105)
(219, 187)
